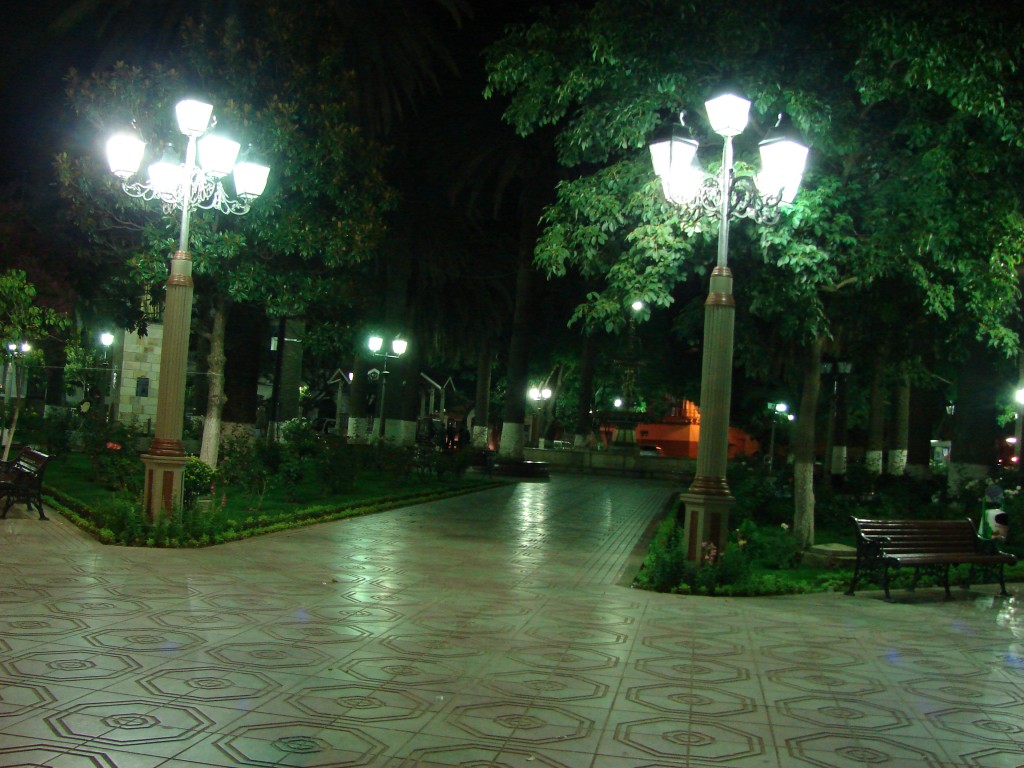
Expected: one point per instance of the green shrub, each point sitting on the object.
(292, 471)
(453, 464)
(56, 431)
(197, 480)
(772, 546)
(665, 563)
(300, 438)
(249, 463)
(337, 466)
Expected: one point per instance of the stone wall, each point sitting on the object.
(140, 360)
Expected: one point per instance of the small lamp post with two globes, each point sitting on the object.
(398, 348)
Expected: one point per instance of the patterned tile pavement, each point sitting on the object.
(495, 629)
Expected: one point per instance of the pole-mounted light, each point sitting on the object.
(722, 196)
(195, 182)
(180, 184)
(376, 346)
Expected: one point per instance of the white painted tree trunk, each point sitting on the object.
(873, 462)
(897, 462)
(209, 452)
(480, 437)
(803, 448)
(400, 432)
(513, 440)
(358, 429)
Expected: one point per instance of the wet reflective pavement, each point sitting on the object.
(488, 630)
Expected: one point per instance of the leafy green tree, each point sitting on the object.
(882, 200)
(22, 320)
(280, 87)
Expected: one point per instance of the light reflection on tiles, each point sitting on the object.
(487, 629)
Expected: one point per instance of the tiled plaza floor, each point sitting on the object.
(483, 631)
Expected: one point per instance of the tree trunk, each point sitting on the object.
(926, 405)
(215, 397)
(975, 431)
(876, 419)
(358, 393)
(839, 431)
(401, 425)
(482, 402)
(832, 385)
(803, 448)
(291, 369)
(512, 438)
(584, 425)
(245, 339)
(900, 429)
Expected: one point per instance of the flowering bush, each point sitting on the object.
(111, 448)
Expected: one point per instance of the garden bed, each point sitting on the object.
(262, 503)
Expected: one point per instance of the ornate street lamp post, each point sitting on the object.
(708, 500)
(398, 347)
(184, 186)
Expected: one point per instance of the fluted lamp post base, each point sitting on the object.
(162, 491)
(705, 524)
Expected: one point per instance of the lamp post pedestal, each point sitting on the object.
(164, 462)
(163, 483)
(705, 521)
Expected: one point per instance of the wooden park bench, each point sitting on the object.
(927, 546)
(21, 481)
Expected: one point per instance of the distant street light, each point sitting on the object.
(107, 339)
(15, 352)
(539, 395)
(181, 186)
(398, 347)
(776, 409)
(1018, 396)
(782, 162)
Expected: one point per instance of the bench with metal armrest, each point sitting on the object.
(21, 481)
(927, 546)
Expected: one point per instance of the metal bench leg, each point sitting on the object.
(945, 582)
(856, 576)
(1002, 583)
(885, 584)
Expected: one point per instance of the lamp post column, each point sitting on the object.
(383, 390)
(708, 500)
(164, 462)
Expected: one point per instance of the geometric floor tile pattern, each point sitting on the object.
(494, 629)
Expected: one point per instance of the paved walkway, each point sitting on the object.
(483, 631)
